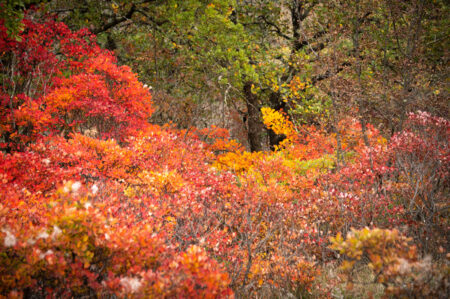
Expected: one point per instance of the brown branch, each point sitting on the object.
(329, 74)
(115, 22)
(276, 27)
(152, 20)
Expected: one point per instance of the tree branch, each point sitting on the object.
(275, 26)
(115, 22)
(329, 74)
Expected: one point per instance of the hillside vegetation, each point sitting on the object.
(285, 149)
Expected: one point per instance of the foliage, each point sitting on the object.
(11, 14)
(97, 202)
(395, 263)
(68, 247)
(82, 90)
(278, 123)
(421, 154)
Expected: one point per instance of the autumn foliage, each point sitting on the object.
(57, 82)
(96, 201)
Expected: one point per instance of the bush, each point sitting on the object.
(395, 263)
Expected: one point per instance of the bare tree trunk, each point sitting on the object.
(278, 104)
(254, 124)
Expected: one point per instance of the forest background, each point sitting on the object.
(223, 148)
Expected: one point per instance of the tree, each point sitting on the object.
(186, 42)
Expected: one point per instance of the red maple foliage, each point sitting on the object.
(57, 82)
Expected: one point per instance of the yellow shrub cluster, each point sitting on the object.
(278, 122)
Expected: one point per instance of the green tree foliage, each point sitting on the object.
(11, 13)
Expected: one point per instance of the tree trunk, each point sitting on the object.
(278, 104)
(254, 124)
